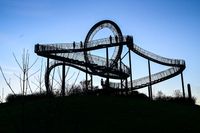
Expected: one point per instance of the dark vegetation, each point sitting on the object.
(178, 100)
(103, 92)
(97, 92)
(31, 97)
(88, 113)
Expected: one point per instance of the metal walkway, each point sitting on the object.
(78, 55)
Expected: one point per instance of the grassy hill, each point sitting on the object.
(103, 114)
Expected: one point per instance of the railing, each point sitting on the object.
(97, 60)
(75, 45)
(177, 64)
(100, 61)
(154, 77)
(57, 47)
(141, 82)
(104, 41)
(158, 58)
(55, 62)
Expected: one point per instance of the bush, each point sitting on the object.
(179, 100)
(35, 96)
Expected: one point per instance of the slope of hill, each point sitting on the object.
(101, 114)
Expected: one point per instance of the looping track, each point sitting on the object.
(78, 56)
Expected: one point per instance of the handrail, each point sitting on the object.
(177, 65)
(75, 45)
(157, 58)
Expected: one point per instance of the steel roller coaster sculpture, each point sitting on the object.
(78, 55)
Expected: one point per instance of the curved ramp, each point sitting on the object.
(177, 66)
(78, 55)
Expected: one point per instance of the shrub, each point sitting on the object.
(179, 100)
(35, 96)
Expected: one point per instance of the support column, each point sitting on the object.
(86, 84)
(91, 82)
(149, 87)
(63, 80)
(182, 81)
(107, 65)
(126, 89)
(130, 69)
(48, 87)
(120, 65)
(189, 91)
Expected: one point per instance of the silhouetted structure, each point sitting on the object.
(189, 91)
(82, 59)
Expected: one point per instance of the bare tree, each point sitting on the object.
(75, 79)
(25, 67)
(39, 80)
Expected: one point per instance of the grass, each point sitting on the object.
(100, 114)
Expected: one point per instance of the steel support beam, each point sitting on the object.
(63, 80)
(189, 91)
(91, 82)
(182, 81)
(86, 76)
(150, 86)
(130, 69)
(107, 66)
(120, 65)
(126, 89)
(48, 87)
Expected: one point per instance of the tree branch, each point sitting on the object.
(8, 84)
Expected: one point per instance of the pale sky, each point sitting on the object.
(169, 28)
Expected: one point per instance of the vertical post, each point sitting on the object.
(48, 87)
(107, 65)
(63, 80)
(86, 84)
(126, 86)
(189, 91)
(24, 80)
(182, 81)
(120, 65)
(149, 87)
(130, 69)
(91, 82)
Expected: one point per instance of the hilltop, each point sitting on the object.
(100, 114)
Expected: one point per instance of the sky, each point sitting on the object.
(169, 28)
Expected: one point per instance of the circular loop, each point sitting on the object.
(98, 26)
(52, 66)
